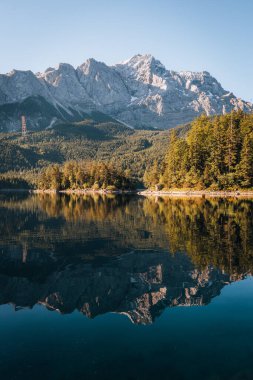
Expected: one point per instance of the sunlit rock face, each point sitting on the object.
(104, 85)
(139, 285)
(140, 92)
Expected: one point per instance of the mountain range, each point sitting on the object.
(139, 92)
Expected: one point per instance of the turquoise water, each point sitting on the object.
(114, 288)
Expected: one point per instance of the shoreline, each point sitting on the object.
(82, 192)
(198, 193)
(146, 193)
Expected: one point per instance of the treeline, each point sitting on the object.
(84, 175)
(124, 148)
(9, 182)
(72, 175)
(22, 179)
(216, 153)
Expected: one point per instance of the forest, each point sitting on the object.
(213, 152)
(72, 175)
(120, 146)
(81, 175)
(216, 153)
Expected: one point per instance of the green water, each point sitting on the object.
(125, 288)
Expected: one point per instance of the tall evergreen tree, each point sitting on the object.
(245, 168)
(232, 137)
(215, 153)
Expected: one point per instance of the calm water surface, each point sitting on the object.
(96, 287)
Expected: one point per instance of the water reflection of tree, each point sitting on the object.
(54, 219)
(215, 231)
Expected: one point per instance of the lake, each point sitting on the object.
(125, 287)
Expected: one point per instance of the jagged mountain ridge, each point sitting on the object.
(140, 92)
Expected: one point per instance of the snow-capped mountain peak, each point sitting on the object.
(143, 68)
(140, 91)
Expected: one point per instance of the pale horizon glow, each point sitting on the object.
(195, 35)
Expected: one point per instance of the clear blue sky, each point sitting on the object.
(212, 35)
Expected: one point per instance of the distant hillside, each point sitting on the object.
(96, 137)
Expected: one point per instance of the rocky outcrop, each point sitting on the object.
(140, 92)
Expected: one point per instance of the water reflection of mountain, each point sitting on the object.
(128, 255)
(140, 284)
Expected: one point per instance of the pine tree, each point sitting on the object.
(231, 157)
(217, 140)
(173, 162)
(245, 168)
(211, 154)
(152, 175)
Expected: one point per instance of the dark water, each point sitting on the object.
(125, 288)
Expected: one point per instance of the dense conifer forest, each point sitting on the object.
(125, 150)
(216, 153)
(82, 175)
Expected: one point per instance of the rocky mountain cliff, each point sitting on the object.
(140, 92)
